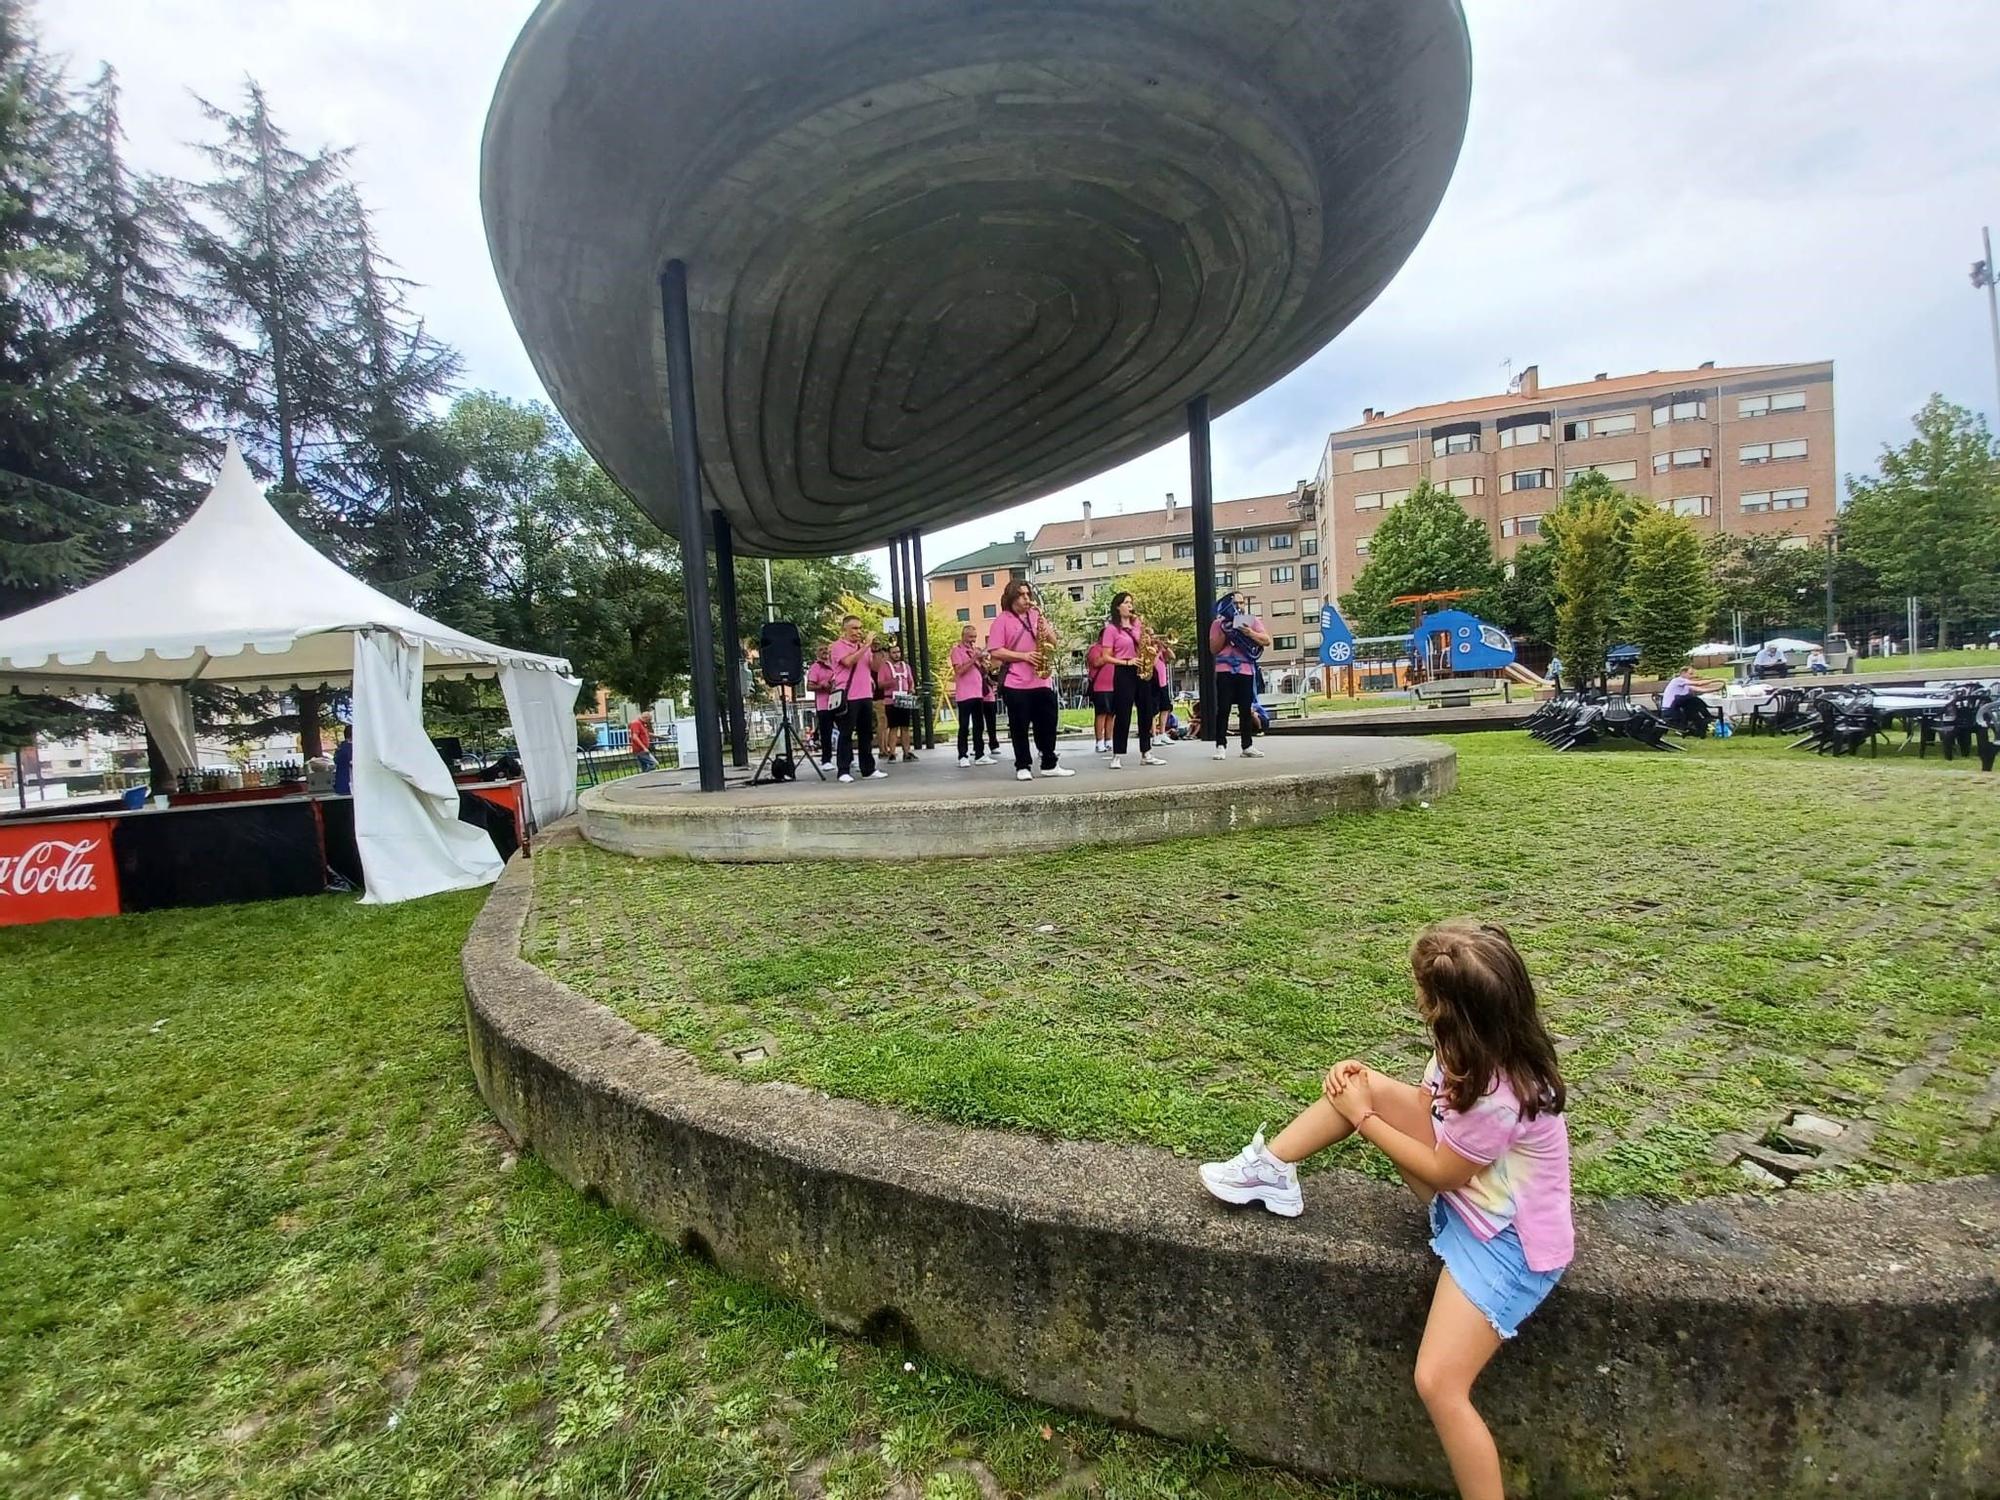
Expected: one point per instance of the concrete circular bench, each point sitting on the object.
(1841, 1343)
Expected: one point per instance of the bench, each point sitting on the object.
(1458, 692)
(1285, 703)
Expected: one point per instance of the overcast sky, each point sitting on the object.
(1643, 186)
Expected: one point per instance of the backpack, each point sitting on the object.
(1094, 657)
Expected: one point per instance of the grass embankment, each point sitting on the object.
(262, 1238)
(1722, 937)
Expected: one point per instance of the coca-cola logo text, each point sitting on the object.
(50, 866)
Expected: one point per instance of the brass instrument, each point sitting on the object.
(1046, 646)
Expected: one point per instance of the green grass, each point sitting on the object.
(1924, 661)
(1721, 937)
(262, 1239)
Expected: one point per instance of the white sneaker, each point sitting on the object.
(847, 779)
(1254, 1175)
(984, 760)
(1117, 764)
(1150, 759)
(965, 760)
(1024, 775)
(1220, 755)
(1058, 771)
(1102, 747)
(1253, 752)
(878, 774)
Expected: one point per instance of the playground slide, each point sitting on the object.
(1520, 673)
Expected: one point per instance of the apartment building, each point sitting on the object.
(1267, 545)
(970, 586)
(1743, 448)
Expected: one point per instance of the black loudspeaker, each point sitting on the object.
(779, 654)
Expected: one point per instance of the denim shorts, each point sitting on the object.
(1493, 1274)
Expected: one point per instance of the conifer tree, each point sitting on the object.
(1667, 592)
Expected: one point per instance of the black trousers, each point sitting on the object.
(1237, 689)
(823, 721)
(857, 735)
(992, 726)
(972, 725)
(1128, 693)
(1032, 709)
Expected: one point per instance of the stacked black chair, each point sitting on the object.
(1590, 716)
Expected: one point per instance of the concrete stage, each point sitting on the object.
(936, 809)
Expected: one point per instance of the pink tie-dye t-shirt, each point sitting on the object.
(1524, 1177)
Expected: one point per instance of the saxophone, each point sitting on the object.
(1045, 648)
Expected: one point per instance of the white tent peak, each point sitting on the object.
(235, 595)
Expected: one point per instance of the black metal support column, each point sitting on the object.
(732, 639)
(687, 474)
(924, 641)
(895, 583)
(1202, 471)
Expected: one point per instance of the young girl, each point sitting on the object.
(1481, 1140)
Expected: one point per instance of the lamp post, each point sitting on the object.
(1983, 276)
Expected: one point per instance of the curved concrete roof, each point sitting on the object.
(948, 255)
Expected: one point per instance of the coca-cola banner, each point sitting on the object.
(51, 870)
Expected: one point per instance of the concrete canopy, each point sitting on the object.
(948, 255)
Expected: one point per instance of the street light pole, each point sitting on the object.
(1983, 275)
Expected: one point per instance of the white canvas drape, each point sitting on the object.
(405, 803)
(542, 706)
(169, 720)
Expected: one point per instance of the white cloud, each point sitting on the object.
(1642, 186)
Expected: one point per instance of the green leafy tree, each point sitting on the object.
(1524, 603)
(1666, 594)
(1587, 568)
(805, 591)
(1164, 598)
(1428, 544)
(1773, 586)
(1928, 524)
(628, 623)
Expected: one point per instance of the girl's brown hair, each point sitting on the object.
(1479, 1003)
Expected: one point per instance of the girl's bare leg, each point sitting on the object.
(1458, 1343)
(1320, 1125)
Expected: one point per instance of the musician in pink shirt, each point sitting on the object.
(968, 694)
(853, 662)
(1237, 638)
(1119, 647)
(899, 685)
(820, 680)
(1103, 686)
(1030, 697)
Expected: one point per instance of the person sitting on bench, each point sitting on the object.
(1681, 704)
(1769, 662)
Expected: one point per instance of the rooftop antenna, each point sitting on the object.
(1513, 380)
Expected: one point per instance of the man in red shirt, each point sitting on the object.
(640, 737)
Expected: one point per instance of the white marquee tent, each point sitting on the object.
(236, 596)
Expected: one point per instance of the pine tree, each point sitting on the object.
(1587, 577)
(1667, 592)
(264, 236)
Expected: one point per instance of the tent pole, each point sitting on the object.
(1202, 471)
(732, 639)
(694, 569)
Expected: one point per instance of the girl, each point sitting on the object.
(1103, 691)
(1481, 1140)
(1118, 647)
(820, 679)
(901, 686)
(1031, 698)
(1235, 668)
(968, 693)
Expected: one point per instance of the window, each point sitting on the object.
(1309, 606)
(1686, 505)
(1282, 542)
(1312, 640)
(1015, 573)
(1527, 479)
(1283, 575)
(961, 583)
(1520, 437)
(1766, 453)
(1462, 489)
(1758, 406)
(1361, 546)
(1249, 576)
(1521, 526)
(1457, 442)
(1045, 565)
(1309, 547)
(1382, 458)
(1614, 425)
(1076, 595)
(1381, 500)
(1183, 551)
(1284, 606)
(1126, 555)
(1224, 546)
(1615, 472)
(1152, 554)
(1794, 543)
(1309, 576)
(1225, 579)
(1247, 544)
(986, 580)
(1769, 500)
(1682, 458)
(965, 616)
(991, 610)
(1679, 411)
(1100, 559)
(1073, 562)
(1284, 643)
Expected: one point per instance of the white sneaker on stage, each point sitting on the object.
(878, 774)
(1117, 764)
(1254, 1175)
(1253, 752)
(1150, 759)
(1024, 775)
(1057, 771)
(965, 760)
(985, 760)
(1220, 755)
(847, 779)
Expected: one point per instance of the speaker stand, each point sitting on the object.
(790, 741)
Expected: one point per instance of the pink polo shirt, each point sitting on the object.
(854, 669)
(1228, 657)
(1160, 673)
(820, 678)
(967, 681)
(1113, 640)
(1011, 633)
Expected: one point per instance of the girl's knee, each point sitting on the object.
(1439, 1385)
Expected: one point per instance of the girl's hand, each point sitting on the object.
(1338, 1075)
(1356, 1099)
